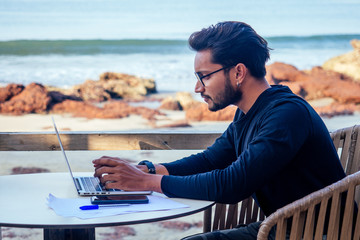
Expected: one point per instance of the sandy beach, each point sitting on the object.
(43, 123)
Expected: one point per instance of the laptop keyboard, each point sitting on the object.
(91, 184)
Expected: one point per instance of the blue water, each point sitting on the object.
(66, 42)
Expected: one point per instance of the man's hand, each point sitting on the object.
(118, 173)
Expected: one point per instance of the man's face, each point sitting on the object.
(219, 91)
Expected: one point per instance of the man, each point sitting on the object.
(277, 149)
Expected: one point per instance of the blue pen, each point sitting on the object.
(93, 207)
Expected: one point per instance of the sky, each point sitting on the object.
(126, 19)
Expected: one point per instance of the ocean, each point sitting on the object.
(63, 42)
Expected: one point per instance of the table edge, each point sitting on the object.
(94, 225)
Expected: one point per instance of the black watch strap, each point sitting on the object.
(149, 165)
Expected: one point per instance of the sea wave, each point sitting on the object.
(132, 46)
(313, 42)
(330, 37)
(90, 47)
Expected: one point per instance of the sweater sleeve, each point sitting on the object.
(217, 156)
(280, 134)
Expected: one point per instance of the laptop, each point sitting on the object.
(91, 186)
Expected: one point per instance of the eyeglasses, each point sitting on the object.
(200, 78)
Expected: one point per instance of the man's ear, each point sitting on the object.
(240, 73)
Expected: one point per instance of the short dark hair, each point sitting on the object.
(232, 43)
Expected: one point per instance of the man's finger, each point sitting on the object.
(107, 161)
(115, 185)
(111, 177)
(99, 172)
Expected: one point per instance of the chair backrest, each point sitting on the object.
(229, 215)
(347, 144)
(302, 211)
(348, 148)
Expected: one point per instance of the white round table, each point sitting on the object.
(23, 203)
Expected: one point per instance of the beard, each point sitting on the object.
(225, 98)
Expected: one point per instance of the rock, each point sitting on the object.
(112, 109)
(169, 103)
(316, 83)
(33, 99)
(348, 64)
(114, 85)
(118, 232)
(78, 109)
(92, 91)
(59, 96)
(181, 101)
(64, 91)
(179, 225)
(340, 91)
(124, 108)
(322, 102)
(186, 100)
(25, 170)
(336, 109)
(343, 89)
(6, 93)
(288, 75)
(282, 73)
(355, 43)
(200, 112)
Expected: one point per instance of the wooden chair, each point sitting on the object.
(247, 211)
(229, 215)
(348, 148)
(302, 211)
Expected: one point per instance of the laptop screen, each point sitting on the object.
(63, 151)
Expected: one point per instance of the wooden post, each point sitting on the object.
(69, 234)
(207, 220)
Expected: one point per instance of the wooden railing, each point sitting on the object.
(47, 141)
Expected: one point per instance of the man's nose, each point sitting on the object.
(199, 87)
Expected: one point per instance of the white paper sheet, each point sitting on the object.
(70, 207)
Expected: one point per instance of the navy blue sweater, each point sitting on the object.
(278, 152)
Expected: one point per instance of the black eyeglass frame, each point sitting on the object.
(200, 78)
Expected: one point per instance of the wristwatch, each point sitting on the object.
(149, 165)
